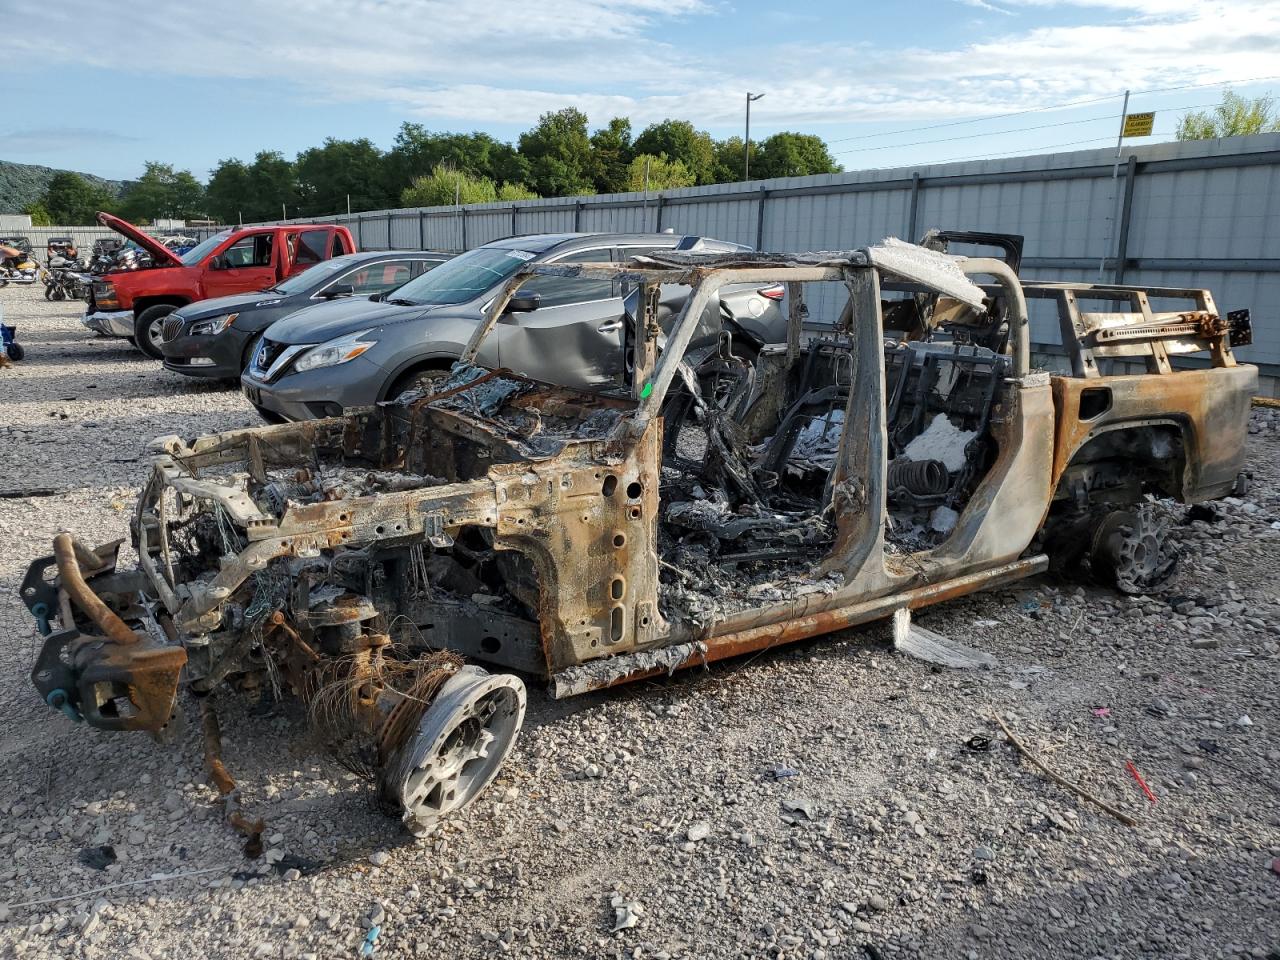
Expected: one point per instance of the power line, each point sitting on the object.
(1054, 106)
(1029, 151)
(1000, 133)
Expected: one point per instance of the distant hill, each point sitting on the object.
(24, 183)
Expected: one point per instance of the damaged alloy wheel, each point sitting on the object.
(1131, 552)
(459, 745)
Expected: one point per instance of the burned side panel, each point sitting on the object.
(1208, 408)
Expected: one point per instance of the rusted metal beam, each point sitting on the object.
(116, 630)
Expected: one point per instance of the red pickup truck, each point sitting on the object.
(134, 303)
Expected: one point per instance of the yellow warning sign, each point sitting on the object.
(1139, 124)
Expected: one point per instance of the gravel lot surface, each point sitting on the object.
(815, 802)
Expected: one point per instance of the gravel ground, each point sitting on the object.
(816, 802)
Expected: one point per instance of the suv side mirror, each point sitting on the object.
(218, 263)
(339, 290)
(523, 302)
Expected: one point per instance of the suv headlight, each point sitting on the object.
(204, 328)
(334, 352)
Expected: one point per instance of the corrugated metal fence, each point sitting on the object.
(1201, 213)
(84, 236)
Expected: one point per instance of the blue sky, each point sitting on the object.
(190, 84)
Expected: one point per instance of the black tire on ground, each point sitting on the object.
(48, 291)
(147, 329)
(16, 351)
(418, 378)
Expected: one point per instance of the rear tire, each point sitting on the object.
(16, 351)
(148, 327)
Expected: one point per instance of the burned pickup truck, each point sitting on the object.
(709, 506)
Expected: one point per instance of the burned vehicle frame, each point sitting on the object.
(705, 508)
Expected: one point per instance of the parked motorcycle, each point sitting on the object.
(105, 250)
(17, 262)
(65, 280)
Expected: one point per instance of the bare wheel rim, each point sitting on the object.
(1133, 551)
(155, 332)
(460, 744)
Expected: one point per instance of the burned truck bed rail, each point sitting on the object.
(710, 502)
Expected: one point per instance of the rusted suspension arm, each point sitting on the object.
(65, 553)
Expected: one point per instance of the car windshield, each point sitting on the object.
(197, 253)
(314, 276)
(463, 278)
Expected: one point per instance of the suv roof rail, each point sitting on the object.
(1009, 243)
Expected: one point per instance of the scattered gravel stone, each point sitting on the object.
(883, 848)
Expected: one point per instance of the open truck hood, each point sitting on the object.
(160, 254)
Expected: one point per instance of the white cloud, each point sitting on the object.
(505, 61)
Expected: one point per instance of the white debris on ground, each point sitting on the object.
(940, 440)
(927, 645)
(843, 801)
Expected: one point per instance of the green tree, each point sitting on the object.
(611, 155)
(164, 193)
(273, 180)
(444, 186)
(72, 200)
(792, 155)
(664, 173)
(38, 214)
(251, 192)
(559, 154)
(418, 151)
(508, 166)
(1235, 116)
(680, 141)
(329, 174)
(515, 191)
(228, 192)
(728, 159)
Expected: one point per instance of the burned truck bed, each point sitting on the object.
(710, 503)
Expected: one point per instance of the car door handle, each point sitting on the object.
(609, 326)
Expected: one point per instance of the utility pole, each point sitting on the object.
(646, 179)
(1115, 175)
(746, 146)
(283, 214)
(348, 204)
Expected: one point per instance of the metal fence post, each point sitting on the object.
(915, 207)
(764, 195)
(515, 212)
(577, 216)
(463, 214)
(360, 232)
(1122, 247)
(422, 230)
(657, 218)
